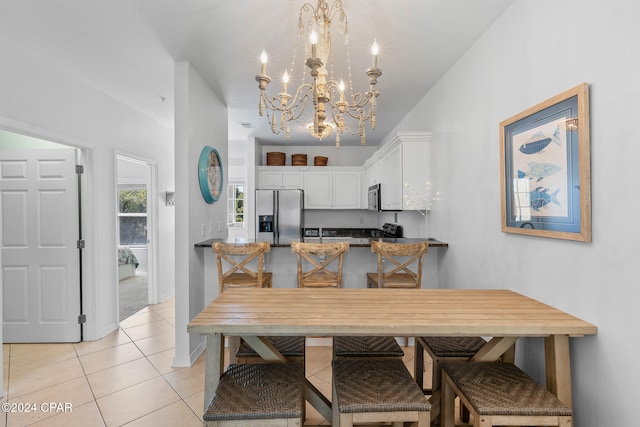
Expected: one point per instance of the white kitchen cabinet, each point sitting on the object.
(391, 180)
(276, 178)
(373, 174)
(347, 190)
(339, 188)
(318, 190)
(405, 159)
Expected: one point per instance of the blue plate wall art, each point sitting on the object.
(210, 174)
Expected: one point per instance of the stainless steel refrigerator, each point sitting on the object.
(279, 215)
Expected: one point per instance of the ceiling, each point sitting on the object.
(127, 48)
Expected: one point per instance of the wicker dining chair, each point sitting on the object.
(376, 390)
(499, 394)
(258, 395)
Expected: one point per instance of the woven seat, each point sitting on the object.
(499, 394)
(293, 348)
(263, 394)
(366, 346)
(446, 349)
(376, 390)
(443, 349)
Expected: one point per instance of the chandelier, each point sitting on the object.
(333, 101)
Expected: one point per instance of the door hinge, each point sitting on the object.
(82, 318)
(79, 168)
(80, 244)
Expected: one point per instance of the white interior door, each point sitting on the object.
(40, 258)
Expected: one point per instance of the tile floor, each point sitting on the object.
(123, 379)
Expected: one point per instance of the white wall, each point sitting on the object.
(42, 101)
(201, 120)
(538, 49)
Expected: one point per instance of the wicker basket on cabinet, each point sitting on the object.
(320, 161)
(298, 160)
(275, 158)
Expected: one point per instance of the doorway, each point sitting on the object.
(134, 234)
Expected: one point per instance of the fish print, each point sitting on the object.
(540, 197)
(539, 171)
(538, 142)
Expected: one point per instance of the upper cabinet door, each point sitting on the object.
(391, 180)
(318, 190)
(347, 190)
(276, 178)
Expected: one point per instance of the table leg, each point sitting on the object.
(418, 363)
(214, 365)
(558, 367)
(264, 348)
(234, 345)
(317, 400)
(494, 349)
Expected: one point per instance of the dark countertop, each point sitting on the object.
(433, 243)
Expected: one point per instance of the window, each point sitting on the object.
(236, 206)
(132, 215)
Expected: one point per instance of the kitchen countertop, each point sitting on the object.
(357, 241)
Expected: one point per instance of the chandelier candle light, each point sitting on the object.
(422, 202)
(325, 91)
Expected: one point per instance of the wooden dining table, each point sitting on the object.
(503, 315)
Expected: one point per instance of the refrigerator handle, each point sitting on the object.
(276, 216)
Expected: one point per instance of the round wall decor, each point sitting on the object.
(210, 174)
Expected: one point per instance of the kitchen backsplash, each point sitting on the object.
(412, 222)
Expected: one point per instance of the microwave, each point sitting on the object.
(374, 198)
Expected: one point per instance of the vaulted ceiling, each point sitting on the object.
(127, 48)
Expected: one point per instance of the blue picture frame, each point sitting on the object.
(545, 168)
(210, 174)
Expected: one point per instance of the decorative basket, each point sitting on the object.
(298, 160)
(320, 161)
(276, 159)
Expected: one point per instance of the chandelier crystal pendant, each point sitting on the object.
(332, 100)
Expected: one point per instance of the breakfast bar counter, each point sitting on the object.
(353, 242)
(359, 261)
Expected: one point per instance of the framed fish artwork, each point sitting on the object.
(545, 168)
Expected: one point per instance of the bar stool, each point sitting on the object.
(324, 261)
(400, 256)
(236, 269)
